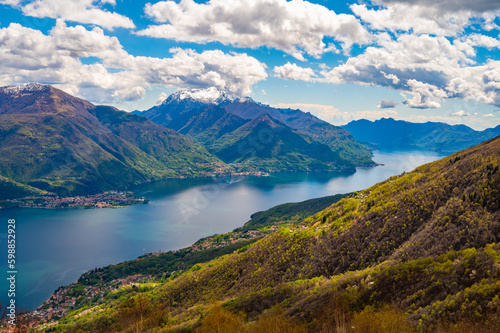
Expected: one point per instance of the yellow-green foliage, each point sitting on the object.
(276, 322)
(384, 320)
(220, 320)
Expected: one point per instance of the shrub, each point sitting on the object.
(220, 320)
(277, 322)
(386, 320)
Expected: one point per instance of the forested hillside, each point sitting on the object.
(232, 128)
(417, 252)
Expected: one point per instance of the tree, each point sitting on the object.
(133, 312)
(335, 317)
(386, 320)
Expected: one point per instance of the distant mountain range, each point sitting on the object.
(58, 143)
(241, 130)
(388, 133)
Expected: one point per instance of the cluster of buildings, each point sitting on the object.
(226, 239)
(65, 298)
(106, 199)
(234, 169)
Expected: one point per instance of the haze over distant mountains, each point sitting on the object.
(390, 134)
(225, 123)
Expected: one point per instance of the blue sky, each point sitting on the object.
(419, 60)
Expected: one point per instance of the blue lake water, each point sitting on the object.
(54, 247)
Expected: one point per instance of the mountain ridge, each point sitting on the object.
(56, 142)
(388, 133)
(268, 142)
(210, 95)
(176, 112)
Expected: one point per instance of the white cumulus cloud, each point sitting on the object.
(420, 48)
(387, 104)
(451, 6)
(406, 17)
(443, 18)
(294, 72)
(162, 97)
(10, 2)
(460, 113)
(295, 27)
(27, 55)
(81, 11)
(425, 69)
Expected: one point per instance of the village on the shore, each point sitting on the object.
(107, 199)
(67, 298)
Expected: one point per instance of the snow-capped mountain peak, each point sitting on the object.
(210, 95)
(24, 89)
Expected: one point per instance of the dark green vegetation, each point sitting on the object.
(10, 189)
(61, 144)
(158, 266)
(267, 144)
(388, 133)
(162, 265)
(290, 213)
(417, 252)
(241, 130)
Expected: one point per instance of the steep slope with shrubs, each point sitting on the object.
(420, 250)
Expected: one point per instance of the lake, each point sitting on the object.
(54, 247)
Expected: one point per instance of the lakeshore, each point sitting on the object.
(66, 299)
(109, 199)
